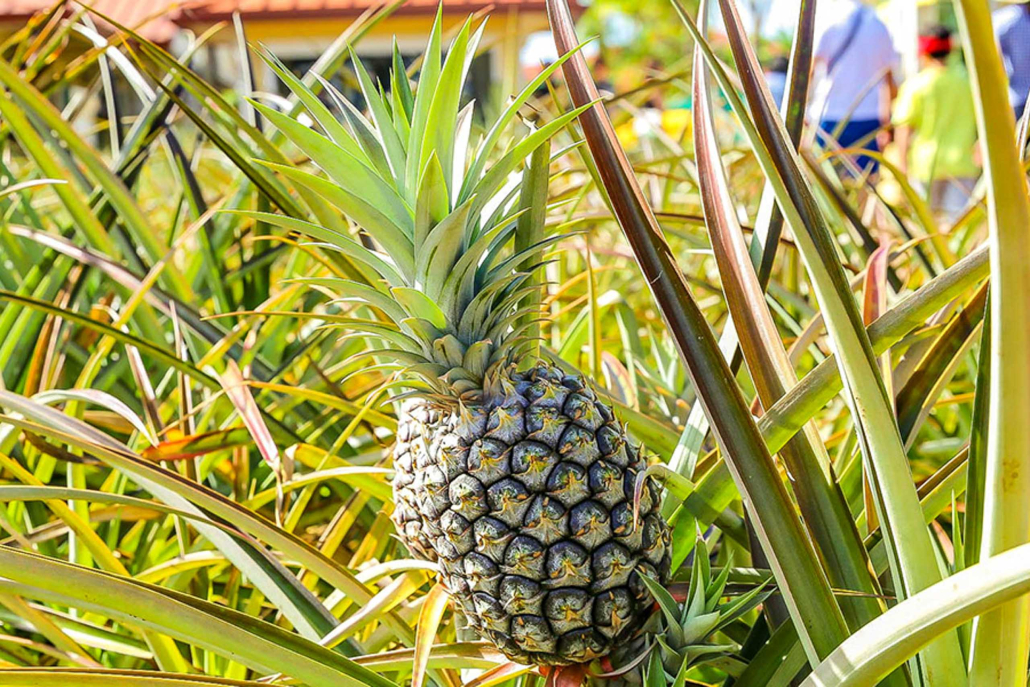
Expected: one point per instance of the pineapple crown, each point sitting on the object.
(437, 205)
(682, 639)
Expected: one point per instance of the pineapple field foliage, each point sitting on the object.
(277, 384)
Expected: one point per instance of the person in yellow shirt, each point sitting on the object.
(935, 126)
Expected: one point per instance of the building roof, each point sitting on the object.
(153, 19)
(158, 20)
(276, 9)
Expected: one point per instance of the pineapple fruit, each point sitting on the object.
(510, 473)
(524, 494)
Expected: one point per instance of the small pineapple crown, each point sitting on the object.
(687, 623)
(437, 204)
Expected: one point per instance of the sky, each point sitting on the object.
(780, 16)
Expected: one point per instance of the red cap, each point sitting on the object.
(930, 45)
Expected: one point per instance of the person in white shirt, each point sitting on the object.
(1012, 28)
(776, 77)
(855, 68)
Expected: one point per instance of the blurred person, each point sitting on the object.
(655, 72)
(1012, 28)
(647, 121)
(776, 77)
(935, 126)
(855, 65)
(602, 76)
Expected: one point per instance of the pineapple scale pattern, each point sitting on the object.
(527, 503)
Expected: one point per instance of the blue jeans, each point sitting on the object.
(853, 133)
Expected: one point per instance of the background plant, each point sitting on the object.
(195, 469)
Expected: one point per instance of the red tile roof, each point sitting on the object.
(268, 9)
(154, 19)
(157, 12)
(158, 20)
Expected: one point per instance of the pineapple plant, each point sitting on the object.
(511, 473)
(194, 574)
(680, 637)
